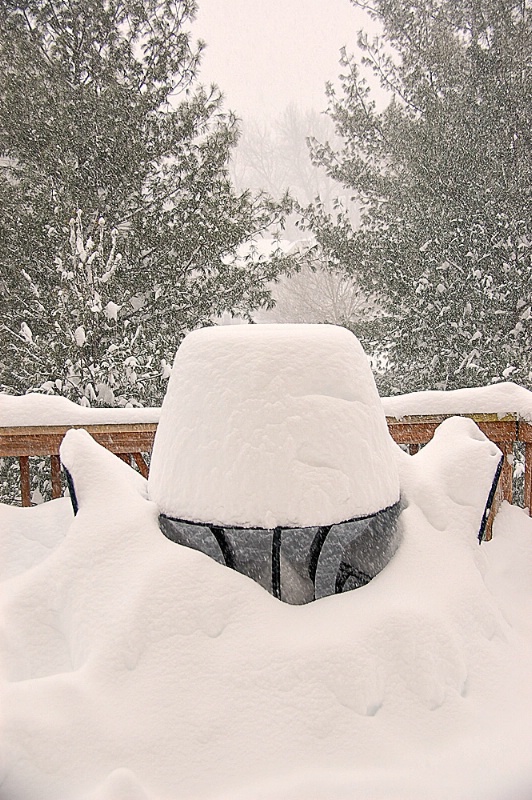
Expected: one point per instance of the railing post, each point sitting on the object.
(55, 469)
(527, 500)
(525, 436)
(25, 490)
(141, 464)
(506, 478)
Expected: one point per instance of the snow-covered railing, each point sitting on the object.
(35, 424)
(502, 411)
(415, 431)
(129, 442)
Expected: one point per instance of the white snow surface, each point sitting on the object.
(137, 669)
(35, 409)
(266, 425)
(498, 398)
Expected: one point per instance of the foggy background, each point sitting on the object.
(272, 61)
(266, 56)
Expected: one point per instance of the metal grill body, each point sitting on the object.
(298, 565)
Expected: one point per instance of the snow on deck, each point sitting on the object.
(498, 398)
(40, 409)
(137, 668)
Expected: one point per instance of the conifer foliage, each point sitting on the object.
(443, 172)
(117, 208)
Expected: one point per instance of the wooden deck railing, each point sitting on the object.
(131, 441)
(506, 432)
(128, 442)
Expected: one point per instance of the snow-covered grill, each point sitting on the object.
(273, 457)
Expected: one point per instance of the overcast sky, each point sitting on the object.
(266, 54)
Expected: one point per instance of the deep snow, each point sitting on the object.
(137, 668)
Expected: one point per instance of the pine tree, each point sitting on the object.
(444, 175)
(118, 213)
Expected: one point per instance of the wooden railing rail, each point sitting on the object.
(415, 431)
(129, 442)
(126, 441)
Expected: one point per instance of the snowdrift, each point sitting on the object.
(136, 668)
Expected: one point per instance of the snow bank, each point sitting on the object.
(139, 669)
(499, 398)
(42, 409)
(33, 534)
(266, 425)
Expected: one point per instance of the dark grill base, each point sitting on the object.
(298, 565)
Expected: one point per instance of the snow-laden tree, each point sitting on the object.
(88, 351)
(444, 175)
(117, 205)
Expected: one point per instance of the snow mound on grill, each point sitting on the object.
(266, 425)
